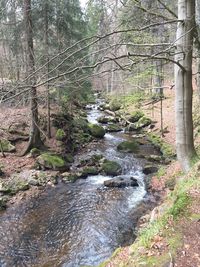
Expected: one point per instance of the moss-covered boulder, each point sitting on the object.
(7, 146)
(96, 130)
(60, 135)
(142, 122)
(135, 116)
(69, 177)
(89, 171)
(106, 119)
(115, 105)
(166, 149)
(52, 162)
(111, 168)
(128, 147)
(113, 128)
(81, 123)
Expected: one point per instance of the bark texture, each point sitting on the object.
(34, 138)
(183, 83)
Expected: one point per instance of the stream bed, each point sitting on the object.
(74, 224)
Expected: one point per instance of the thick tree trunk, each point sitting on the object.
(34, 138)
(183, 83)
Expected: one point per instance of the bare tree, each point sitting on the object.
(183, 83)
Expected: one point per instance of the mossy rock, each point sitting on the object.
(89, 171)
(69, 177)
(128, 147)
(111, 168)
(52, 162)
(105, 119)
(166, 149)
(69, 158)
(149, 169)
(113, 128)
(135, 116)
(115, 105)
(60, 135)
(96, 130)
(81, 123)
(142, 122)
(35, 152)
(7, 146)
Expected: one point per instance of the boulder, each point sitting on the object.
(96, 130)
(52, 162)
(113, 128)
(121, 181)
(7, 146)
(149, 169)
(105, 119)
(111, 168)
(114, 105)
(89, 171)
(142, 122)
(135, 116)
(128, 147)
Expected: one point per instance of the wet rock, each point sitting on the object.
(52, 162)
(7, 146)
(69, 177)
(89, 171)
(96, 130)
(121, 181)
(105, 119)
(111, 168)
(149, 169)
(128, 147)
(113, 128)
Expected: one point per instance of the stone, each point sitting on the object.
(52, 162)
(7, 146)
(149, 169)
(89, 171)
(2, 203)
(35, 152)
(121, 181)
(105, 119)
(96, 130)
(111, 168)
(128, 147)
(114, 105)
(113, 128)
(142, 122)
(135, 116)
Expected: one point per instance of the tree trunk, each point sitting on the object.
(198, 44)
(183, 83)
(34, 138)
(46, 22)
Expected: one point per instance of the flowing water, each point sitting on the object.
(74, 224)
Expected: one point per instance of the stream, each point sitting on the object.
(74, 224)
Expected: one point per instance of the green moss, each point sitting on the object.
(142, 122)
(111, 168)
(89, 171)
(60, 135)
(113, 128)
(180, 204)
(115, 105)
(96, 130)
(135, 116)
(7, 146)
(35, 152)
(166, 149)
(128, 147)
(52, 161)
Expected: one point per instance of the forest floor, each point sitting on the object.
(167, 239)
